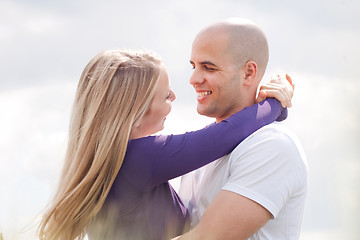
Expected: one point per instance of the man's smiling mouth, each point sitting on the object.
(203, 93)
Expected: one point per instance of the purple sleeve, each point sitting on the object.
(152, 160)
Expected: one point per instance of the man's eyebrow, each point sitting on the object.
(206, 63)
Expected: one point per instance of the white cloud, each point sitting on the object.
(19, 19)
(34, 129)
(44, 24)
(326, 119)
(45, 46)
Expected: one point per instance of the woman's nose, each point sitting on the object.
(173, 96)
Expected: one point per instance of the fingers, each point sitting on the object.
(277, 91)
(281, 87)
(289, 80)
(261, 97)
(283, 99)
(283, 78)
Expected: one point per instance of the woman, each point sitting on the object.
(114, 182)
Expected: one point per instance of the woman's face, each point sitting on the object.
(153, 120)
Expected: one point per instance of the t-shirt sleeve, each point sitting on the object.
(155, 159)
(267, 171)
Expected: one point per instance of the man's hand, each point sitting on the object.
(280, 87)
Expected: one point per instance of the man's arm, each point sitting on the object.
(229, 216)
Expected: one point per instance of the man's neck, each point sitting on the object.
(245, 103)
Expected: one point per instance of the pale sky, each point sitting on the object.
(44, 46)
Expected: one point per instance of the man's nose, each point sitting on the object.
(196, 78)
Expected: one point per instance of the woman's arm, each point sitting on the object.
(156, 159)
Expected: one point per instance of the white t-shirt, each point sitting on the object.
(269, 167)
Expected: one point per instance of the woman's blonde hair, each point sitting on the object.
(115, 90)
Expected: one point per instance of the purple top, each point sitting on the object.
(143, 204)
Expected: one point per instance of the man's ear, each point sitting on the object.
(250, 72)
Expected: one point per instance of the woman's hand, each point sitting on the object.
(280, 87)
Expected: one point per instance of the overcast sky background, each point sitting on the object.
(44, 46)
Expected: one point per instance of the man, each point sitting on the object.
(258, 191)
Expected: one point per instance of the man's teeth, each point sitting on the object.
(204, 93)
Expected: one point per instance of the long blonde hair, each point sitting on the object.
(115, 90)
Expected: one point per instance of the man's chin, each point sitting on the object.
(203, 111)
(200, 110)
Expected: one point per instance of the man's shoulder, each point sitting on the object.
(274, 139)
(274, 132)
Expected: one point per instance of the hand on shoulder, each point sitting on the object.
(281, 87)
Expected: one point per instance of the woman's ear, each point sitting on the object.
(250, 72)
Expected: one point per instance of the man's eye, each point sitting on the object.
(209, 68)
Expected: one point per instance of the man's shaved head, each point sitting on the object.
(229, 59)
(246, 41)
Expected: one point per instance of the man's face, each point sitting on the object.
(216, 80)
